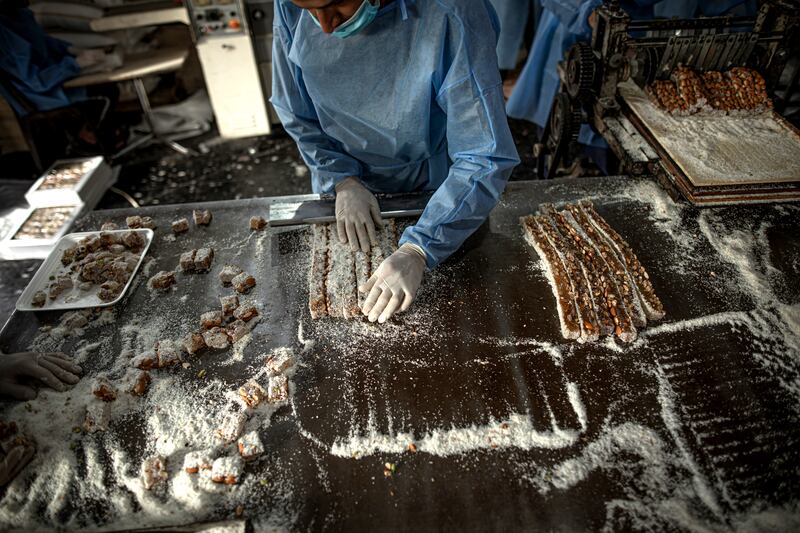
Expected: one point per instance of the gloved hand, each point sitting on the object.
(394, 285)
(52, 369)
(14, 461)
(357, 212)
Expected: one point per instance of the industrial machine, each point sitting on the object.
(715, 163)
(225, 48)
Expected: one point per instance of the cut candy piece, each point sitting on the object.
(202, 217)
(211, 319)
(229, 304)
(163, 280)
(196, 461)
(187, 261)
(145, 361)
(236, 330)
(279, 362)
(203, 259)
(168, 353)
(216, 338)
(227, 470)
(193, 342)
(278, 389)
(257, 223)
(134, 222)
(141, 384)
(243, 282)
(246, 312)
(180, 226)
(252, 394)
(154, 471)
(98, 416)
(103, 389)
(227, 274)
(232, 427)
(250, 446)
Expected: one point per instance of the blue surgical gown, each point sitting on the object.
(564, 22)
(513, 17)
(413, 102)
(35, 63)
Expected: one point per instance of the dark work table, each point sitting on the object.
(693, 425)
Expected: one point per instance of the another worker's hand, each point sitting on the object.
(52, 369)
(357, 213)
(14, 461)
(394, 285)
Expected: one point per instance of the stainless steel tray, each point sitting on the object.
(74, 299)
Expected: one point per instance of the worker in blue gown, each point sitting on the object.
(513, 17)
(388, 96)
(33, 63)
(562, 24)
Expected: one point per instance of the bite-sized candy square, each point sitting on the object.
(193, 342)
(194, 462)
(227, 470)
(180, 226)
(246, 312)
(216, 338)
(202, 217)
(145, 361)
(232, 427)
(257, 223)
(163, 280)
(168, 353)
(278, 390)
(203, 259)
(279, 361)
(141, 384)
(237, 330)
(134, 222)
(109, 290)
(243, 282)
(148, 223)
(154, 471)
(133, 240)
(227, 274)
(229, 303)
(250, 446)
(211, 319)
(252, 394)
(187, 260)
(109, 226)
(98, 416)
(103, 389)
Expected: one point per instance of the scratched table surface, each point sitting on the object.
(694, 425)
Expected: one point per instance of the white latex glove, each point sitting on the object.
(52, 369)
(357, 213)
(394, 285)
(14, 461)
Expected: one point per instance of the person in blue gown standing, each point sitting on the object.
(388, 96)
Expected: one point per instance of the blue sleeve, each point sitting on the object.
(324, 155)
(479, 141)
(573, 14)
(17, 60)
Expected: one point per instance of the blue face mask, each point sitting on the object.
(360, 20)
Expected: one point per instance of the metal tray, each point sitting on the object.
(96, 174)
(52, 267)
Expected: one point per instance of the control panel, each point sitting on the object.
(217, 17)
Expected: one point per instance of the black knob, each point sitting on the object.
(258, 14)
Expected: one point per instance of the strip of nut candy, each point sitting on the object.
(587, 318)
(596, 272)
(341, 282)
(665, 94)
(720, 91)
(616, 272)
(653, 307)
(317, 291)
(559, 281)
